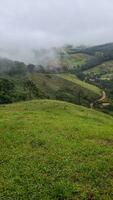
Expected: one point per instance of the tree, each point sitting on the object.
(31, 68)
(19, 68)
(6, 90)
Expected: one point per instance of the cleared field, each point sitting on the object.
(85, 85)
(75, 60)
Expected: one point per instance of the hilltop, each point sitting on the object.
(55, 150)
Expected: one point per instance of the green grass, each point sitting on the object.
(74, 60)
(85, 85)
(52, 150)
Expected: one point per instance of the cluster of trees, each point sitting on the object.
(11, 91)
(106, 84)
(15, 67)
(6, 91)
(20, 68)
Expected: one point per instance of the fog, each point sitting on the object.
(28, 25)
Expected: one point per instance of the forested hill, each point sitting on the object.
(91, 67)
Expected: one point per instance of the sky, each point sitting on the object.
(26, 25)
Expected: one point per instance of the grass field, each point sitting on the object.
(85, 85)
(52, 150)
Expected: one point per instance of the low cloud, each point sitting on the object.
(28, 25)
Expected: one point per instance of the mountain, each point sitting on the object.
(104, 48)
(92, 56)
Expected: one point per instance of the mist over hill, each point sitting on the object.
(28, 26)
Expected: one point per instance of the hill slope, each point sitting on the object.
(49, 86)
(91, 56)
(83, 84)
(55, 150)
(103, 71)
(74, 60)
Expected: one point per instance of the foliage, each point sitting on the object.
(6, 90)
(31, 68)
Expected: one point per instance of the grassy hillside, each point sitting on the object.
(96, 55)
(83, 84)
(105, 70)
(74, 60)
(55, 150)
